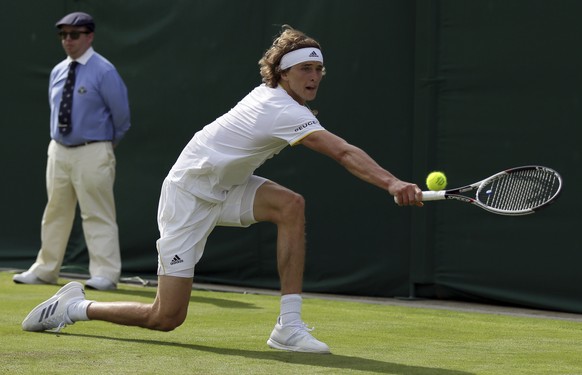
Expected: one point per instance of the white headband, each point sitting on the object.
(300, 55)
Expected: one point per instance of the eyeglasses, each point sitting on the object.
(73, 34)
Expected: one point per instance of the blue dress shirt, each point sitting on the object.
(100, 103)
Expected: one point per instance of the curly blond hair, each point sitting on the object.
(289, 40)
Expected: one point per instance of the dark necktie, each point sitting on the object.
(67, 101)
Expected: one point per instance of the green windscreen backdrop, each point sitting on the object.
(468, 87)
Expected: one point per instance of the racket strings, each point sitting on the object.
(520, 190)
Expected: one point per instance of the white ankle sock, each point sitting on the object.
(290, 308)
(77, 311)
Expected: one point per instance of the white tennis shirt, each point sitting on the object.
(226, 152)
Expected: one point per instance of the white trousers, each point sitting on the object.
(83, 174)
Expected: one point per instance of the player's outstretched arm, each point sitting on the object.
(361, 165)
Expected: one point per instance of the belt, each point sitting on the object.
(81, 144)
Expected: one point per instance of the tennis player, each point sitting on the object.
(212, 184)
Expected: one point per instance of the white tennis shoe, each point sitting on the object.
(28, 277)
(296, 338)
(52, 313)
(100, 283)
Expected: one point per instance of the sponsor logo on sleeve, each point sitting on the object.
(305, 125)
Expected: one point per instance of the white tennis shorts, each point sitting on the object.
(185, 222)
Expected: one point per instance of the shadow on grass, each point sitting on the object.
(320, 360)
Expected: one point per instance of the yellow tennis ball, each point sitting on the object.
(436, 181)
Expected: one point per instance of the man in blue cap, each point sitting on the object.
(89, 116)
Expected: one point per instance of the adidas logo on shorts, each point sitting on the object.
(176, 260)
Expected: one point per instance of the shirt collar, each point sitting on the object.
(84, 57)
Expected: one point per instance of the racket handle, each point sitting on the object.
(429, 196)
(433, 195)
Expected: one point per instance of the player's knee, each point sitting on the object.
(167, 321)
(168, 324)
(293, 207)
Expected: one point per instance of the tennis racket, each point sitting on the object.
(513, 192)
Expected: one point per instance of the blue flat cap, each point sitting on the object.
(77, 19)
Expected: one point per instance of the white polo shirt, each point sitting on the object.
(228, 150)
